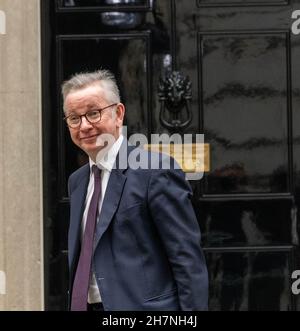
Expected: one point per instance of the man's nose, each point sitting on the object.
(85, 124)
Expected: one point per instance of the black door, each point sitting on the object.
(241, 61)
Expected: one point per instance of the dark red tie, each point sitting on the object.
(83, 272)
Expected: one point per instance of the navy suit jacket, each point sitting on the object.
(147, 253)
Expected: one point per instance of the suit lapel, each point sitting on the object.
(110, 203)
(113, 192)
(77, 208)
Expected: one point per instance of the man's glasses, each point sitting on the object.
(93, 116)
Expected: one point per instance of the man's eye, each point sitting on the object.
(93, 113)
(73, 118)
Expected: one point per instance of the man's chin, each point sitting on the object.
(91, 151)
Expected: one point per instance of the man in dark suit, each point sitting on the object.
(134, 240)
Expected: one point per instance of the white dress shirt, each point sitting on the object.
(105, 164)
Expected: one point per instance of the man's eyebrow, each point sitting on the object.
(69, 111)
(93, 106)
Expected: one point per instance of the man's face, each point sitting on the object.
(87, 135)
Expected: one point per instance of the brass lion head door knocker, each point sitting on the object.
(175, 94)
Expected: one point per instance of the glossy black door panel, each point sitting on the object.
(102, 3)
(246, 3)
(254, 279)
(245, 79)
(247, 223)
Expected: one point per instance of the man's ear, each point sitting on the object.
(120, 113)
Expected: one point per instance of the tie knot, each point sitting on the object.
(96, 172)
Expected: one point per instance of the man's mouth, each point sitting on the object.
(89, 137)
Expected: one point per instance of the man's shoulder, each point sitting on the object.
(141, 159)
(78, 175)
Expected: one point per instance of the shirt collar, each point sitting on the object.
(108, 160)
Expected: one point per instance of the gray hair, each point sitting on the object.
(105, 78)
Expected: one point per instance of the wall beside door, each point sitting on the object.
(21, 250)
